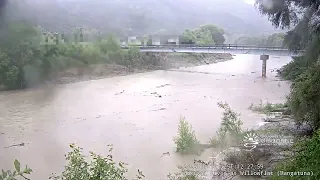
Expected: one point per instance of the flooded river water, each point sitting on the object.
(138, 114)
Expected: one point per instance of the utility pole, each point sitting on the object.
(264, 59)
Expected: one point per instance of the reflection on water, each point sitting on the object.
(128, 112)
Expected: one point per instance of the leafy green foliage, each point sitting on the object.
(293, 69)
(300, 64)
(302, 15)
(282, 13)
(13, 175)
(217, 34)
(230, 128)
(27, 60)
(186, 140)
(251, 41)
(104, 168)
(306, 159)
(298, 37)
(78, 168)
(188, 37)
(131, 57)
(267, 107)
(9, 74)
(304, 98)
(204, 35)
(275, 39)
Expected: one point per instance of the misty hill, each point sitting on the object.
(138, 17)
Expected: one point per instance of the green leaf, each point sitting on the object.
(17, 165)
(4, 173)
(27, 170)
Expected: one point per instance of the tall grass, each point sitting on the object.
(267, 107)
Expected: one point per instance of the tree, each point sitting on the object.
(303, 14)
(275, 39)
(257, 41)
(204, 37)
(208, 34)
(188, 37)
(298, 37)
(217, 33)
(20, 47)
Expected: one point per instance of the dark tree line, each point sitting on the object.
(304, 99)
(276, 39)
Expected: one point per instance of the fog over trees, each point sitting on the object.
(140, 17)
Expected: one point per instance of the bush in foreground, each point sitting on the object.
(306, 159)
(13, 175)
(186, 140)
(304, 99)
(100, 168)
(78, 168)
(230, 130)
(294, 68)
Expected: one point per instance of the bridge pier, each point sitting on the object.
(264, 59)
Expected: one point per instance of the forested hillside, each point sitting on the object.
(139, 17)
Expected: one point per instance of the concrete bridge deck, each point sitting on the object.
(223, 48)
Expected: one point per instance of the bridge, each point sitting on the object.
(220, 48)
(263, 51)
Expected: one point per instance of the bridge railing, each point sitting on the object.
(210, 46)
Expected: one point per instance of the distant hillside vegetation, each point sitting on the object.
(139, 17)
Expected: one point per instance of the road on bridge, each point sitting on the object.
(224, 48)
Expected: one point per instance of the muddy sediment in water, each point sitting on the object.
(138, 114)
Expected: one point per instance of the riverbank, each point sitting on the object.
(165, 61)
(262, 148)
(256, 156)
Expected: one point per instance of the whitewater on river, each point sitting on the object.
(138, 114)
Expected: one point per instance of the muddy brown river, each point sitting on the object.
(138, 114)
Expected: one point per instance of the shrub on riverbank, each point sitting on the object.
(186, 140)
(230, 130)
(304, 103)
(100, 168)
(304, 99)
(267, 107)
(294, 68)
(78, 168)
(306, 159)
(25, 62)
